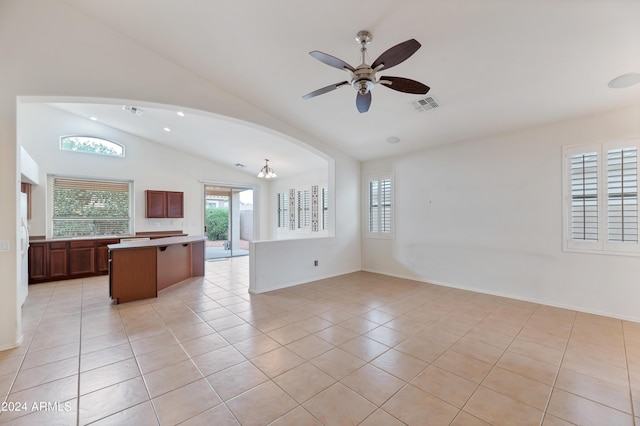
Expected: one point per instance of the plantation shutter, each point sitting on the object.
(325, 208)
(283, 212)
(584, 196)
(304, 200)
(622, 195)
(385, 210)
(374, 201)
(380, 205)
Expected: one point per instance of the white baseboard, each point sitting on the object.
(306, 281)
(512, 296)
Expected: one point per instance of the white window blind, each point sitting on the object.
(622, 195)
(85, 207)
(380, 205)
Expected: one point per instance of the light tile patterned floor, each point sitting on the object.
(356, 349)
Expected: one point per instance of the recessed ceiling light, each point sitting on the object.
(625, 80)
(393, 139)
(92, 118)
(180, 113)
(166, 129)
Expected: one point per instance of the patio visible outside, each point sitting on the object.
(222, 248)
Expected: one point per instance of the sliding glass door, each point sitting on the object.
(228, 221)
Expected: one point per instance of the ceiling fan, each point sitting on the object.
(363, 77)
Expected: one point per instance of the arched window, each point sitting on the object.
(91, 145)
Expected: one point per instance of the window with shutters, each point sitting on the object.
(304, 209)
(584, 196)
(87, 207)
(622, 195)
(601, 198)
(380, 206)
(283, 209)
(325, 208)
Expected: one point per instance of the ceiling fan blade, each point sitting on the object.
(404, 85)
(397, 54)
(325, 89)
(363, 102)
(331, 60)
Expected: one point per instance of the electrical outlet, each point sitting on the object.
(315, 263)
(5, 245)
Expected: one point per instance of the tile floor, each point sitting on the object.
(356, 349)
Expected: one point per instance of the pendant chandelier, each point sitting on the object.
(267, 172)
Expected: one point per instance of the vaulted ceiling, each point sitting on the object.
(492, 65)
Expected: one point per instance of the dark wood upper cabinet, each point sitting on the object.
(175, 204)
(164, 204)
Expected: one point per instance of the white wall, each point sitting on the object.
(283, 263)
(149, 165)
(43, 55)
(486, 215)
(29, 170)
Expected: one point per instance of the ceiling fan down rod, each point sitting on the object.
(364, 37)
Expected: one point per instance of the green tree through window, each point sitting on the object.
(83, 207)
(92, 145)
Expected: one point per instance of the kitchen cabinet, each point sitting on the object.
(102, 255)
(164, 204)
(55, 260)
(63, 260)
(140, 268)
(58, 260)
(38, 253)
(175, 204)
(82, 257)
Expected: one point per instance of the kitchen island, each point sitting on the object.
(138, 269)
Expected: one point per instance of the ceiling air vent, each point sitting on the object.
(425, 104)
(132, 109)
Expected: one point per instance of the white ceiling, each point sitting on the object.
(493, 65)
(220, 139)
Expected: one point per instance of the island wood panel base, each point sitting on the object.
(174, 264)
(174, 259)
(132, 274)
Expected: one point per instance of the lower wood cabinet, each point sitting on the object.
(58, 260)
(38, 262)
(82, 258)
(61, 260)
(102, 255)
(54, 260)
